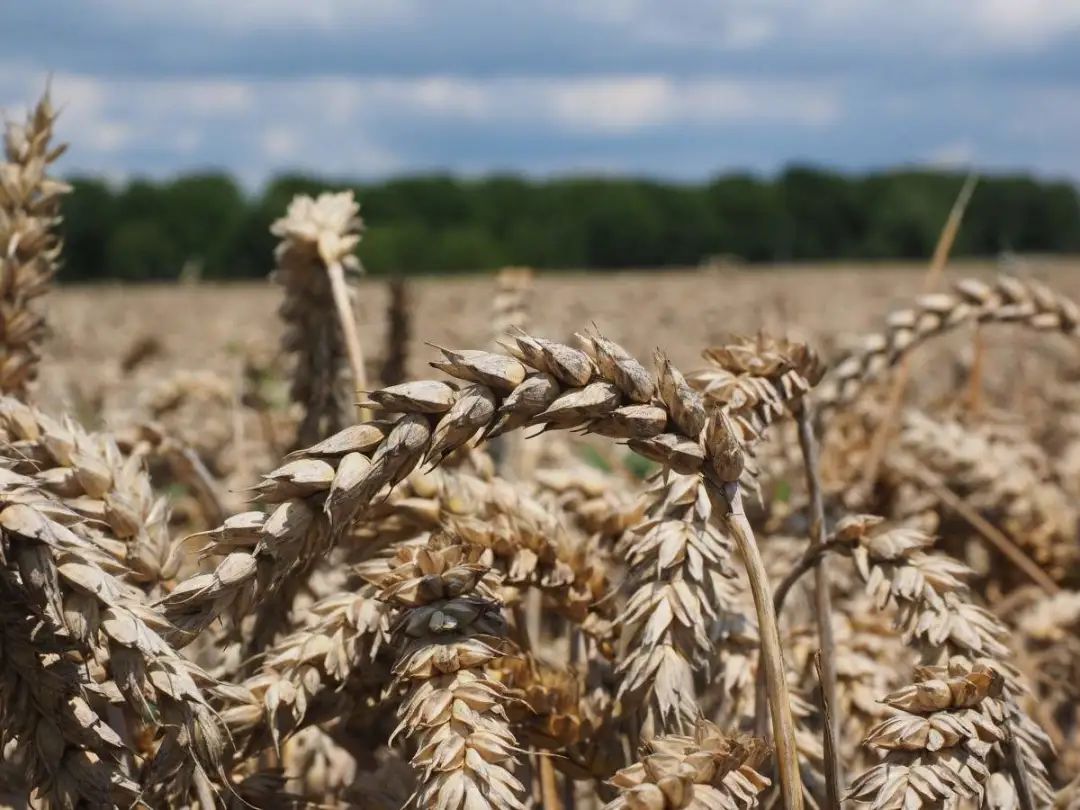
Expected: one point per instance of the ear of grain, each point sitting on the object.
(30, 245)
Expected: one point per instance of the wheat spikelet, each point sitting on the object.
(705, 771)
(450, 629)
(29, 244)
(938, 743)
(317, 234)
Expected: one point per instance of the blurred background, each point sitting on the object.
(564, 135)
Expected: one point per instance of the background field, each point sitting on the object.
(209, 326)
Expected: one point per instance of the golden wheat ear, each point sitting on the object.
(30, 243)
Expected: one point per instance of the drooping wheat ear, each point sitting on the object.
(603, 390)
(704, 771)
(30, 245)
(66, 752)
(1009, 481)
(685, 596)
(91, 477)
(398, 333)
(58, 578)
(318, 235)
(1009, 300)
(938, 744)
(685, 614)
(450, 628)
(939, 620)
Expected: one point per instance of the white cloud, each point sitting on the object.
(952, 155)
(280, 143)
(255, 14)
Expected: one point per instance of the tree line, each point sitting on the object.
(206, 223)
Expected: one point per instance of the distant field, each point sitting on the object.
(203, 326)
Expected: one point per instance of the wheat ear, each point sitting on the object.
(938, 742)
(61, 578)
(30, 244)
(91, 477)
(450, 629)
(939, 620)
(318, 237)
(1009, 300)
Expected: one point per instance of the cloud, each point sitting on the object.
(679, 88)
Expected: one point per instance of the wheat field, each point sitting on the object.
(728, 538)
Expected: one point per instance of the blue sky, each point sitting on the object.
(680, 89)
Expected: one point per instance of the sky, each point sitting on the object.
(679, 89)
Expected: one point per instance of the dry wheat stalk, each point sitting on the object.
(30, 246)
(450, 629)
(939, 741)
(317, 235)
(706, 771)
(398, 333)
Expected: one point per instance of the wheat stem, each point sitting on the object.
(772, 656)
(834, 774)
(347, 319)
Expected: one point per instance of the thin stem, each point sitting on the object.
(834, 775)
(348, 329)
(830, 738)
(772, 656)
(1024, 796)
